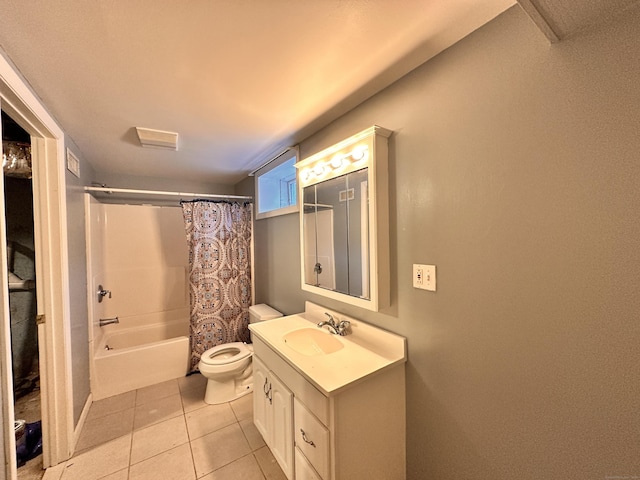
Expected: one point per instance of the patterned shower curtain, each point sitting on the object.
(219, 237)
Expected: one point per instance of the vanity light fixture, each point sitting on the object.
(356, 156)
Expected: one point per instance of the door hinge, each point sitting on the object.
(40, 319)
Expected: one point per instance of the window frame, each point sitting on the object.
(286, 156)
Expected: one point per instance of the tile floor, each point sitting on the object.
(167, 432)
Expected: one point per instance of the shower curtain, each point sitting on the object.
(219, 237)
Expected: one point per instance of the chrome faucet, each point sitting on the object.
(331, 323)
(108, 321)
(339, 328)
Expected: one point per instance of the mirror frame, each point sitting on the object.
(317, 169)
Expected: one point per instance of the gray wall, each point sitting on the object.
(79, 324)
(514, 169)
(157, 183)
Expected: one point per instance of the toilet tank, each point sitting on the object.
(262, 312)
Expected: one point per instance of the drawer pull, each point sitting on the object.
(304, 437)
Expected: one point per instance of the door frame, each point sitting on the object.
(52, 276)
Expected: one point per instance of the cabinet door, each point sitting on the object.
(304, 471)
(261, 407)
(282, 426)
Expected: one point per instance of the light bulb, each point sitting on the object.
(336, 162)
(359, 153)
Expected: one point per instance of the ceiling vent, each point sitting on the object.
(157, 138)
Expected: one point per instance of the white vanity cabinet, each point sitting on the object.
(273, 415)
(357, 432)
(304, 471)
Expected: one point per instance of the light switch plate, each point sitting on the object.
(424, 277)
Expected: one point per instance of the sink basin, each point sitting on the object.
(312, 341)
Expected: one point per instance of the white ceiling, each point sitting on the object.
(239, 80)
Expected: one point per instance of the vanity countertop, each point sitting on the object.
(366, 350)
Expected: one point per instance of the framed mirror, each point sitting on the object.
(344, 229)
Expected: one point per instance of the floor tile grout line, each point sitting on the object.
(92, 418)
(264, 474)
(155, 399)
(159, 453)
(221, 466)
(193, 459)
(183, 415)
(162, 453)
(186, 424)
(253, 452)
(158, 421)
(229, 463)
(217, 429)
(237, 413)
(77, 453)
(133, 429)
(245, 437)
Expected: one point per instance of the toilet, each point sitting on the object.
(228, 367)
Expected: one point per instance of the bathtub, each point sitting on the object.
(131, 358)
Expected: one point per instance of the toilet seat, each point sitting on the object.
(225, 354)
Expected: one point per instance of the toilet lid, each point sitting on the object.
(225, 354)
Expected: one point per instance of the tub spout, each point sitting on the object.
(108, 321)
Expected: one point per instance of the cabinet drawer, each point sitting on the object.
(304, 471)
(312, 438)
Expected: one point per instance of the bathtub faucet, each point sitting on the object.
(108, 321)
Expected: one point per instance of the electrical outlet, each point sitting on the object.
(418, 276)
(424, 277)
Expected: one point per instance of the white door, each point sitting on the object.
(6, 375)
(52, 279)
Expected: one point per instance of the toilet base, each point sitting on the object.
(227, 390)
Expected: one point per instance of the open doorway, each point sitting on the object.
(59, 430)
(18, 195)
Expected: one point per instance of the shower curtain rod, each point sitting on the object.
(109, 190)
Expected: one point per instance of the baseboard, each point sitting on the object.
(83, 417)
